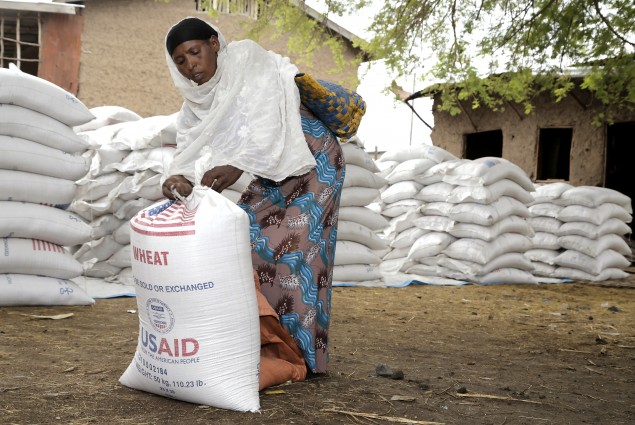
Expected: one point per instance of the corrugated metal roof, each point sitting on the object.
(40, 6)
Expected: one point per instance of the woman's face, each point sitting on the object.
(196, 59)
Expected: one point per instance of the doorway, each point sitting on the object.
(620, 151)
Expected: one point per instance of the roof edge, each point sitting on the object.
(40, 6)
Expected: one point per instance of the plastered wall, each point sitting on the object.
(122, 58)
(520, 134)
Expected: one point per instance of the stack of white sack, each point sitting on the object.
(130, 157)
(592, 234)
(474, 222)
(359, 246)
(400, 202)
(545, 223)
(40, 160)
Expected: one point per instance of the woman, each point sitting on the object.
(242, 113)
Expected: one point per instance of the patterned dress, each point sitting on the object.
(293, 233)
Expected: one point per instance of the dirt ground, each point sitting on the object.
(501, 354)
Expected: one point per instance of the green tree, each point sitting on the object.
(491, 52)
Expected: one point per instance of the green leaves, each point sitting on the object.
(492, 52)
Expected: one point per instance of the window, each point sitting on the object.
(485, 143)
(554, 152)
(20, 40)
(238, 7)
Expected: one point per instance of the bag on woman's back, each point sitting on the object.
(199, 334)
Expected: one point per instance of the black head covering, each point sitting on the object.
(186, 30)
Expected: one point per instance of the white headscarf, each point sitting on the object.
(247, 115)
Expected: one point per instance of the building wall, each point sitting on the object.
(520, 134)
(123, 59)
(60, 51)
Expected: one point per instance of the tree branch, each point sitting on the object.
(608, 24)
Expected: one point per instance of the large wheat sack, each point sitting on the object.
(199, 335)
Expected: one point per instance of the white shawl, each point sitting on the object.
(247, 115)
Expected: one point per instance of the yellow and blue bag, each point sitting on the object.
(340, 109)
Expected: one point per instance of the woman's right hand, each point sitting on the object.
(179, 184)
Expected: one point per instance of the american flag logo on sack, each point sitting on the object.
(170, 218)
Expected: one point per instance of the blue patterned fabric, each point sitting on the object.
(293, 229)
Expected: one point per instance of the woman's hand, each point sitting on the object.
(220, 178)
(179, 183)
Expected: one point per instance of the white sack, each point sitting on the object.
(32, 256)
(435, 174)
(31, 290)
(32, 221)
(26, 124)
(36, 188)
(398, 208)
(400, 191)
(594, 247)
(350, 231)
(155, 159)
(545, 209)
(490, 193)
(349, 252)
(545, 224)
(482, 252)
(32, 157)
(105, 225)
(99, 249)
(544, 240)
(407, 238)
(594, 231)
(150, 132)
(486, 215)
(435, 192)
(107, 115)
(592, 196)
(409, 170)
(549, 192)
(358, 196)
(355, 155)
(486, 171)
(122, 234)
(575, 274)
(510, 224)
(417, 151)
(592, 265)
(122, 258)
(595, 215)
(364, 216)
(436, 208)
(38, 94)
(198, 314)
(358, 176)
(429, 245)
(100, 186)
(356, 273)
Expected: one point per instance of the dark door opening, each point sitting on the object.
(620, 151)
(554, 153)
(485, 143)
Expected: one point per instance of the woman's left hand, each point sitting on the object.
(221, 177)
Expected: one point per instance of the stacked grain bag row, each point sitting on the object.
(359, 246)
(400, 202)
(594, 223)
(544, 221)
(40, 160)
(129, 157)
(474, 222)
(129, 154)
